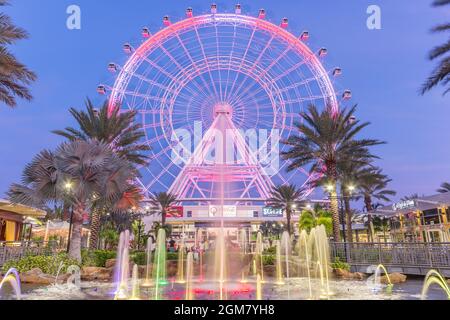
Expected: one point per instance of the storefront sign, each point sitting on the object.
(404, 205)
(269, 212)
(223, 211)
(175, 212)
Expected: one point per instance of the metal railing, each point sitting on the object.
(17, 250)
(425, 255)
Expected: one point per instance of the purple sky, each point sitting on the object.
(384, 68)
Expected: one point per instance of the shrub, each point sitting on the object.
(268, 260)
(271, 250)
(338, 264)
(139, 258)
(97, 258)
(172, 256)
(48, 264)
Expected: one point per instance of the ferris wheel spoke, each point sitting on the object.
(179, 66)
(242, 61)
(256, 63)
(230, 60)
(193, 63)
(213, 85)
(167, 74)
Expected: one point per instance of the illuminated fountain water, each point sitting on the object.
(320, 257)
(180, 265)
(376, 285)
(304, 258)
(160, 265)
(135, 292)
(258, 263)
(12, 277)
(148, 268)
(243, 246)
(220, 272)
(189, 276)
(434, 277)
(279, 266)
(122, 266)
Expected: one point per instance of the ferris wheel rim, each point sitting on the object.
(142, 51)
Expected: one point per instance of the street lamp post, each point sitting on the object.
(70, 229)
(68, 187)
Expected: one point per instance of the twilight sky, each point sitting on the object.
(384, 68)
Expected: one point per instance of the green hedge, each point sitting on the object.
(97, 258)
(48, 264)
(338, 264)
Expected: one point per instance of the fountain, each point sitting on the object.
(122, 266)
(180, 265)
(12, 277)
(148, 268)
(220, 262)
(279, 268)
(320, 256)
(434, 277)
(75, 276)
(135, 293)
(258, 261)
(243, 246)
(377, 279)
(61, 266)
(189, 276)
(304, 260)
(160, 265)
(258, 287)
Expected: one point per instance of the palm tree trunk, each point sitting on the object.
(288, 220)
(334, 203)
(163, 217)
(348, 215)
(75, 237)
(95, 229)
(368, 203)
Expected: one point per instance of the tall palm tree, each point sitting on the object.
(160, 204)
(413, 196)
(77, 173)
(285, 197)
(115, 129)
(441, 74)
(373, 185)
(327, 139)
(15, 77)
(445, 187)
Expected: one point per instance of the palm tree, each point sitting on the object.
(317, 217)
(445, 187)
(373, 185)
(161, 202)
(326, 141)
(286, 198)
(413, 196)
(14, 76)
(78, 173)
(110, 126)
(115, 129)
(441, 74)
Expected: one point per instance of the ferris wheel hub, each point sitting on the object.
(223, 109)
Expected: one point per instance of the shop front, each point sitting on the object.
(13, 220)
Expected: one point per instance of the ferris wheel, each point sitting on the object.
(177, 78)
